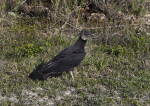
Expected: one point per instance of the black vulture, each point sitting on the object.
(66, 60)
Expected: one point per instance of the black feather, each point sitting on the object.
(66, 60)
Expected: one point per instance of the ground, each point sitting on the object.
(115, 71)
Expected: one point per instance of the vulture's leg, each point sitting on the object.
(71, 72)
(66, 77)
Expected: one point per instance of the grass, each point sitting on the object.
(115, 72)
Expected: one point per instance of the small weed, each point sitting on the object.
(28, 50)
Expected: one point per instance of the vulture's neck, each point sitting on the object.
(80, 43)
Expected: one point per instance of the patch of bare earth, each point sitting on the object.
(29, 97)
(12, 98)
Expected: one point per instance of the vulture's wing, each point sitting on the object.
(64, 61)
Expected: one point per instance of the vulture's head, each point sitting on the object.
(84, 34)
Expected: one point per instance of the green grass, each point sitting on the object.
(102, 78)
(116, 72)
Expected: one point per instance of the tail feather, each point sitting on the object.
(42, 73)
(43, 76)
(35, 75)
